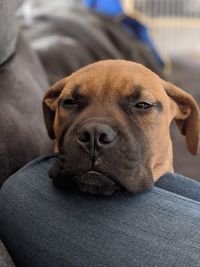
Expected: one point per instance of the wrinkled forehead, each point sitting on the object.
(113, 78)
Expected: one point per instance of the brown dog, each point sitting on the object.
(111, 123)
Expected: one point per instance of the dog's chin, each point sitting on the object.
(97, 184)
(90, 182)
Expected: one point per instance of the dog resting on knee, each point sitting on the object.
(111, 122)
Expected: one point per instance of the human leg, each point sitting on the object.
(180, 185)
(43, 226)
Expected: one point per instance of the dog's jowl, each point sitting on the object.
(111, 124)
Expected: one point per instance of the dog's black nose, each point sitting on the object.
(96, 134)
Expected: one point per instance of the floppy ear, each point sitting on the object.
(187, 115)
(50, 105)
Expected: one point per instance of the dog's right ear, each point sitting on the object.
(50, 101)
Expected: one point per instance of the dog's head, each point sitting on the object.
(111, 123)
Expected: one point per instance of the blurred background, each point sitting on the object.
(164, 35)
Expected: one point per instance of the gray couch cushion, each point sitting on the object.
(8, 29)
(23, 135)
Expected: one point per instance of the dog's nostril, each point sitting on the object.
(84, 137)
(103, 138)
(106, 138)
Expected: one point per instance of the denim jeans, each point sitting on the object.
(43, 226)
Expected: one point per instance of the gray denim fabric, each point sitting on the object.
(180, 185)
(43, 226)
(8, 28)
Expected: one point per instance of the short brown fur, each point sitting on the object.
(105, 83)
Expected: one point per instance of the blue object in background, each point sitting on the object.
(140, 31)
(109, 7)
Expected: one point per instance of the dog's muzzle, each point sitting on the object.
(93, 136)
(92, 139)
(99, 158)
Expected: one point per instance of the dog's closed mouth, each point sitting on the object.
(92, 181)
(97, 183)
(95, 178)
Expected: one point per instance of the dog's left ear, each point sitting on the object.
(186, 114)
(50, 105)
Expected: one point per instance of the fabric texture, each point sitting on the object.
(180, 185)
(23, 135)
(43, 226)
(8, 29)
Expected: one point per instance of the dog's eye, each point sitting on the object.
(69, 103)
(143, 105)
